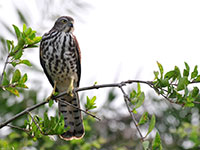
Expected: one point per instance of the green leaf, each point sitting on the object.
(28, 31)
(46, 121)
(152, 124)
(145, 145)
(134, 111)
(144, 118)
(161, 69)
(13, 90)
(29, 41)
(173, 94)
(93, 99)
(138, 89)
(21, 85)
(32, 35)
(37, 39)
(157, 143)
(90, 103)
(16, 76)
(198, 78)
(140, 100)
(164, 82)
(21, 43)
(133, 94)
(51, 102)
(183, 82)
(17, 31)
(26, 62)
(187, 66)
(187, 70)
(8, 44)
(177, 73)
(195, 92)
(14, 64)
(18, 55)
(24, 27)
(156, 73)
(5, 80)
(169, 74)
(194, 73)
(185, 73)
(189, 104)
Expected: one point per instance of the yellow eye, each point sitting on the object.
(63, 21)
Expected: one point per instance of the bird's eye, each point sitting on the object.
(63, 21)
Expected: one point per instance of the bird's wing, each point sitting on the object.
(43, 65)
(78, 57)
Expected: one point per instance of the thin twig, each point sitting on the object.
(16, 127)
(36, 123)
(126, 99)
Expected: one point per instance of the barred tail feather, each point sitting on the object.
(72, 118)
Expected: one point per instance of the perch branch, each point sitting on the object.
(76, 90)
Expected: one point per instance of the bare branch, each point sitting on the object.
(18, 128)
(126, 99)
(22, 113)
(123, 83)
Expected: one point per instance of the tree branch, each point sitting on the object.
(76, 90)
(36, 123)
(126, 99)
(22, 113)
(18, 128)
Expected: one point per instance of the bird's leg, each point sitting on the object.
(71, 86)
(53, 92)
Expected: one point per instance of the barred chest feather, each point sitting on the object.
(59, 56)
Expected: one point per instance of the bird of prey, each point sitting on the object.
(61, 61)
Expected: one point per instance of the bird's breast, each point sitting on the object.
(59, 56)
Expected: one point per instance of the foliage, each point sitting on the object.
(90, 103)
(26, 39)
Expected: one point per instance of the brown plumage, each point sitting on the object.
(60, 59)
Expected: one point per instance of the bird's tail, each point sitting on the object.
(72, 118)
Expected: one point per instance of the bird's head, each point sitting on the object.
(64, 24)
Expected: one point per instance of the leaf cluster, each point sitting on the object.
(90, 104)
(137, 98)
(25, 39)
(39, 126)
(175, 85)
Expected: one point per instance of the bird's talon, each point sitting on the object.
(52, 93)
(70, 93)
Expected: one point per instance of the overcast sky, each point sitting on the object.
(123, 39)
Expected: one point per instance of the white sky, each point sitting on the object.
(123, 39)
